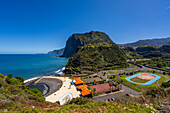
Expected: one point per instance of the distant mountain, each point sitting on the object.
(157, 42)
(60, 51)
(91, 38)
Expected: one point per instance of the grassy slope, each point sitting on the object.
(101, 107)
(14, 94)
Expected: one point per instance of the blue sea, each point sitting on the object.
(30, 65)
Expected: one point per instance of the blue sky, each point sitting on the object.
(37, 26)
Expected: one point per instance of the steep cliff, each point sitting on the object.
(91, 38)
(60, 51)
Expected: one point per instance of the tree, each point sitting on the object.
(94, 82)
(110, 84)
(121, 81)
(104, 74)
(118, 84)
(114, 84)
(94, 89)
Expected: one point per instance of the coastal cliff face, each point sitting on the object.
(91, 38)
(60, 51)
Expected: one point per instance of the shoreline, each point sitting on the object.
(53, 84)
(45, 89)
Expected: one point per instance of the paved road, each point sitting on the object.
(130, 91)
(52, 84)
(107, 96)
(125, 89)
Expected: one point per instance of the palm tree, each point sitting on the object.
(118, 84)
(94, 82)
(110, 84)
(114, 84)
(121, 81)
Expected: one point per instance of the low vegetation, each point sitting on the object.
(157, 56)
(13, 90)
(166, 84)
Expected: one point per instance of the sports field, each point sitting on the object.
(143, 78)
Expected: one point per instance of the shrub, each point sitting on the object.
(79, 101)
(20, 78)
(166, 84)
(11, 80)
(1, 84)
(58, 102)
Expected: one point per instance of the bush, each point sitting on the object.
(20, 78)
(79, 101)
(166, 84)
(1, 84)
(58, 102)
(11, 80)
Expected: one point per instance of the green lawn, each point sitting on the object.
(113, 71)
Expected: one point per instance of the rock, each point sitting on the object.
(60, 51)
(91, 38)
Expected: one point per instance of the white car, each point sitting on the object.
(113, 99)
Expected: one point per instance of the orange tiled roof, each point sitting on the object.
(85, 92)
(78, 81)
(82, 86)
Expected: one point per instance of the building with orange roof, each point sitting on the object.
(86, 92)
(82, 86)
(78, 81)
(147, 65)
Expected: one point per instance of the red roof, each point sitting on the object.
(102, 88)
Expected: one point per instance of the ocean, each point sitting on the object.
(30, 65)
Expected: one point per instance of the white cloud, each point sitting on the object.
(168, 7)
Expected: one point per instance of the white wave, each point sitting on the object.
(31, 79)
(57, 71)
(63, 68)
(60, 71)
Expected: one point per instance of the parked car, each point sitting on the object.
(113, 99)
(109, 100)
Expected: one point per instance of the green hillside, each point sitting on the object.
(95, 58)
(149, 42)
(78, 40)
